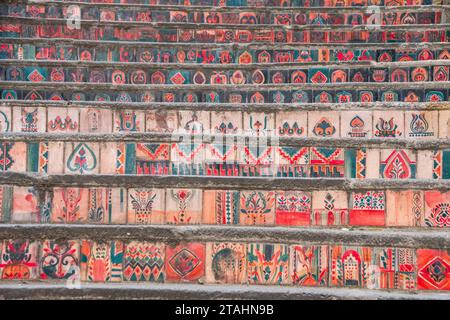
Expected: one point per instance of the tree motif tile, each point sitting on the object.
(184, 206)
(257, 208)
(70, 205)
(146, 206)
(267, 263)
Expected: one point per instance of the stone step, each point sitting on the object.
(44, 291)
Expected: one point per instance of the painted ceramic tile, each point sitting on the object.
(194, 122)
(256, 158)
(108, 152)
(397, 164)
(388, 124)
(226, 263)
(221, 157)
(437, 209)
(6, 122)
(188, 158)
(129, 121)
(25, 206)
(372, 163)
(144, 261)
(226, 122)
(62, 120)
(355, 162)
(70, 205)
(395, 268)
(425, 164)
(292, 161)
(257, 208)
(327, 162)
(82, 158)
(152, 158)
(185, 262)
(101, 261)
(356, 124)
(433, 269)
(267, 263)
(421, 124)
(60, 260)
(161, 121)
(441, 164)
(404, 208)
(291, 124)
(95, 120)
(18, 260)
(146, 206)
(55, 160)
(444, 124)
(308, 265)
(106, 206)
(293, 208)
(29, 119)
(323, 125)
(184, 206)
(350, 266)
(368, 209)
(221, 207)
(329, 207)
(259, 124)
(6, 199)
(13, 156)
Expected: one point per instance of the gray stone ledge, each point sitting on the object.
(415, 238)
(138, 291)
(217, 183)
(208, 46)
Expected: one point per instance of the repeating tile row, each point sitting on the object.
(76, 261)
(271, 3)
(127, 53)
(226, 93)
(205, 34)
(312, 17)
(412, 124)
(408, 208)
(236, 77)
(200, 159)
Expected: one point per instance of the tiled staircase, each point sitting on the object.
(270, 149)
